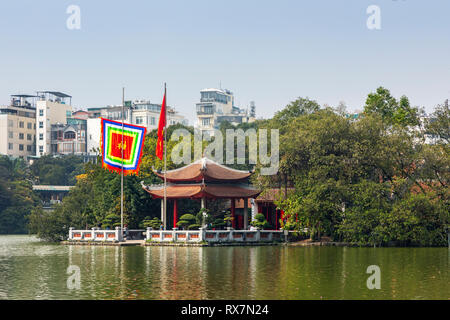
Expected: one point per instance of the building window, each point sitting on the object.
(28, 148)
(28, 136)
(152, 121)
(10, 146)
(29, 125)
(139, 120)
(21, 124)
(41, 149)
(68, 147)
(41, 112)
(10, 134)
(41, 136)
(21, 147)
(21, 136)
(69, 135)
(206, 122)
(41, 124)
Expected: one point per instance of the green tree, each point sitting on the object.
(392, 111)
(16, 196)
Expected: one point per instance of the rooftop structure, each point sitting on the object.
(55, 96)
(205, 179)
(204, 170)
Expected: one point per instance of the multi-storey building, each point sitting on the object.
(18, 126)
(51, 108)
(146, 114)
(216, 106)
(139, 112)
(69, 138)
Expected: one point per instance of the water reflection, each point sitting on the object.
(33, 270)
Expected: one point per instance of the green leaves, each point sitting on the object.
(16, 196)
(391, 111)
(359, 180)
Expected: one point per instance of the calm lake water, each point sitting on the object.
(30, 269)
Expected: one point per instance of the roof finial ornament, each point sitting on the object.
(203, 163)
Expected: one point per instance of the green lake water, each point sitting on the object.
(30, 269)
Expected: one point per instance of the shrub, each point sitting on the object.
(260, 221)
(186, 220)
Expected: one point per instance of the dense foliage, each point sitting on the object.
(16, 196)
(60, 171)
(370, 180)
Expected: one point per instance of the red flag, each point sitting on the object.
(161, 125)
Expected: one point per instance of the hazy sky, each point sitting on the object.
(268, 51)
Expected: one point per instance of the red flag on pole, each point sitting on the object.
(161, 127)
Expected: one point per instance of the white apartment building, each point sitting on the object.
(146, 114)
(138, 112)
(18, 127)
(216, 106)
(93, 136)
(52, 108)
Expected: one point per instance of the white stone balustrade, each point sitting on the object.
(95, 235)
(214, 235)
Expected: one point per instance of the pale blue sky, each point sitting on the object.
(267, 51)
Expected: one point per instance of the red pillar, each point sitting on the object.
(276, 219)
(175, 213)
(233, 205)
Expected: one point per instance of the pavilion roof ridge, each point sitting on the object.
(224, 166)
(204, 161)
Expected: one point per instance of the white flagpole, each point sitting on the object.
(121, 177)
(165, 159)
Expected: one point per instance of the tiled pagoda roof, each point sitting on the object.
(204, 169)
(200, 190)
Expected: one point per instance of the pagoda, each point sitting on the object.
(205, 179)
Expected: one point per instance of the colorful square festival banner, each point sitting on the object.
(111, 145)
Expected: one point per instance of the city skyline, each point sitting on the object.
(266, 52)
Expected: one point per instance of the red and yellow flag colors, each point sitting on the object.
(114, 148)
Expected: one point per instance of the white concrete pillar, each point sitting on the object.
(118, 234)
(147, 234)
(162, 212)
(254, 208)
(203, 203)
